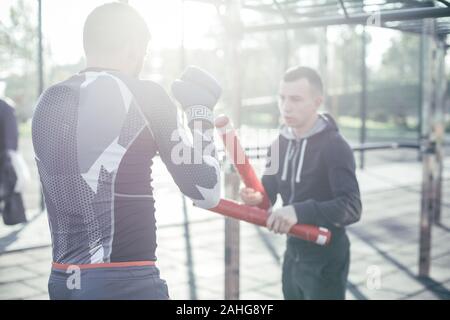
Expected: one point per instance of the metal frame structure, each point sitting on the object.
(430, 19)
(404, 15)
(408, 16)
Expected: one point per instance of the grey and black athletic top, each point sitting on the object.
(94, 137)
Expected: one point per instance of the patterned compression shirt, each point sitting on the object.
(94, 137)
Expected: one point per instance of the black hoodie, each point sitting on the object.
(316, 175)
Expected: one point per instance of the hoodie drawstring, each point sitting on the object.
(302, 157)
(292, 153)
(295, 157)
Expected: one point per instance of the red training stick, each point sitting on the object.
(240, 159)
(254, 215)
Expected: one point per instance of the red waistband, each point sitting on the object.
(61, 266)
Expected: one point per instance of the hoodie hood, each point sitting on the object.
(325, 122)
(296, 149)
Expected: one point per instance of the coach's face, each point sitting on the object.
(298, 102)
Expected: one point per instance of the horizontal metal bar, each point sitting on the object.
(385, 146)
(295, 5)
(385, 16)
(260, 152)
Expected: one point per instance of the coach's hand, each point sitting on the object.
(251, 197)
(282, 220)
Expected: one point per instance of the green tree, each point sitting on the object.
(401, 62)
(399, 75)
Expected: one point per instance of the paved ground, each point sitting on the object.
(191, 247)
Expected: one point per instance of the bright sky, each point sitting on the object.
(63, 22)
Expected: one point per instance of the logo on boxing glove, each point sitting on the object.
(199, 112)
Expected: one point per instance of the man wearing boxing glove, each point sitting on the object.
(94, 137)
(315, 177)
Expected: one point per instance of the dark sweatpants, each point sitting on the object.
(124, 283)
(318, 277)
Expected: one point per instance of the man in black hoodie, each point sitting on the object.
(315, 177)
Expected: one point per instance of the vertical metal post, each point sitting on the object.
(439, 124)
(323, 61)
(233, 27)
(189, 253)
(287, 50)
(40, 53)
(285, 33)
(421, 75)
(363, 107)
(232, 240)
(433, 131)
(182, 47)
(40, 69)
(427, 149)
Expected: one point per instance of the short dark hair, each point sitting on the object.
(111, 26)
(300, 72)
